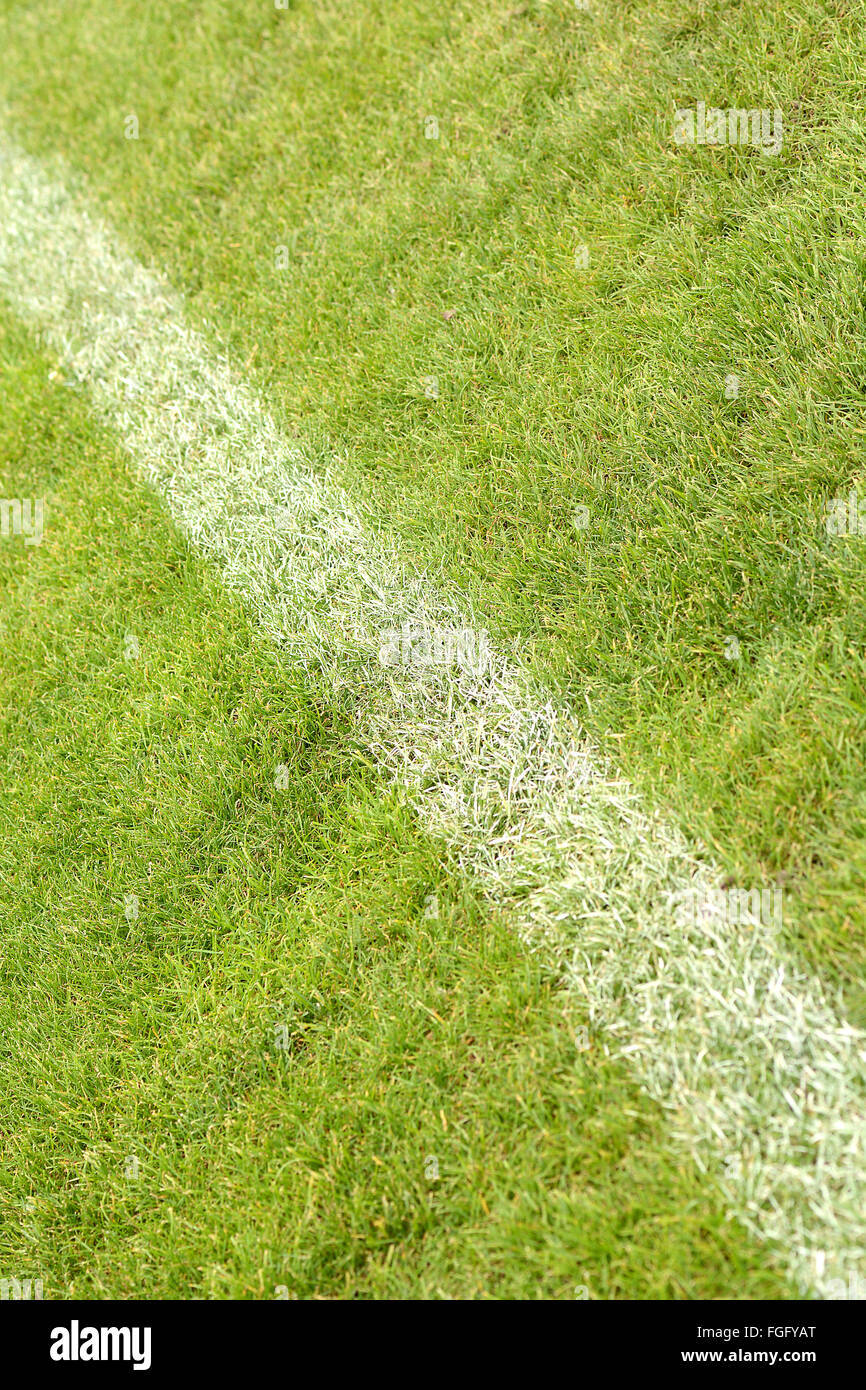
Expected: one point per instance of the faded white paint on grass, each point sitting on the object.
(762, 1081)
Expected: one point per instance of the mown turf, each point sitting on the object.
(243, 1053)
(299, 136)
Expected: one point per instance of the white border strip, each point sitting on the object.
(762, 1081)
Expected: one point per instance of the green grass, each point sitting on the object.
(303, 908)
(558, 387)
(240, 1087)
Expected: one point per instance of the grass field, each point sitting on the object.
(460, 255)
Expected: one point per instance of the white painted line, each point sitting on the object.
(763, 1083)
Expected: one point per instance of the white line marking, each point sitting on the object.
(762, 1081)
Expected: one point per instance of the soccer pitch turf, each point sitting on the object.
(326, 973)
